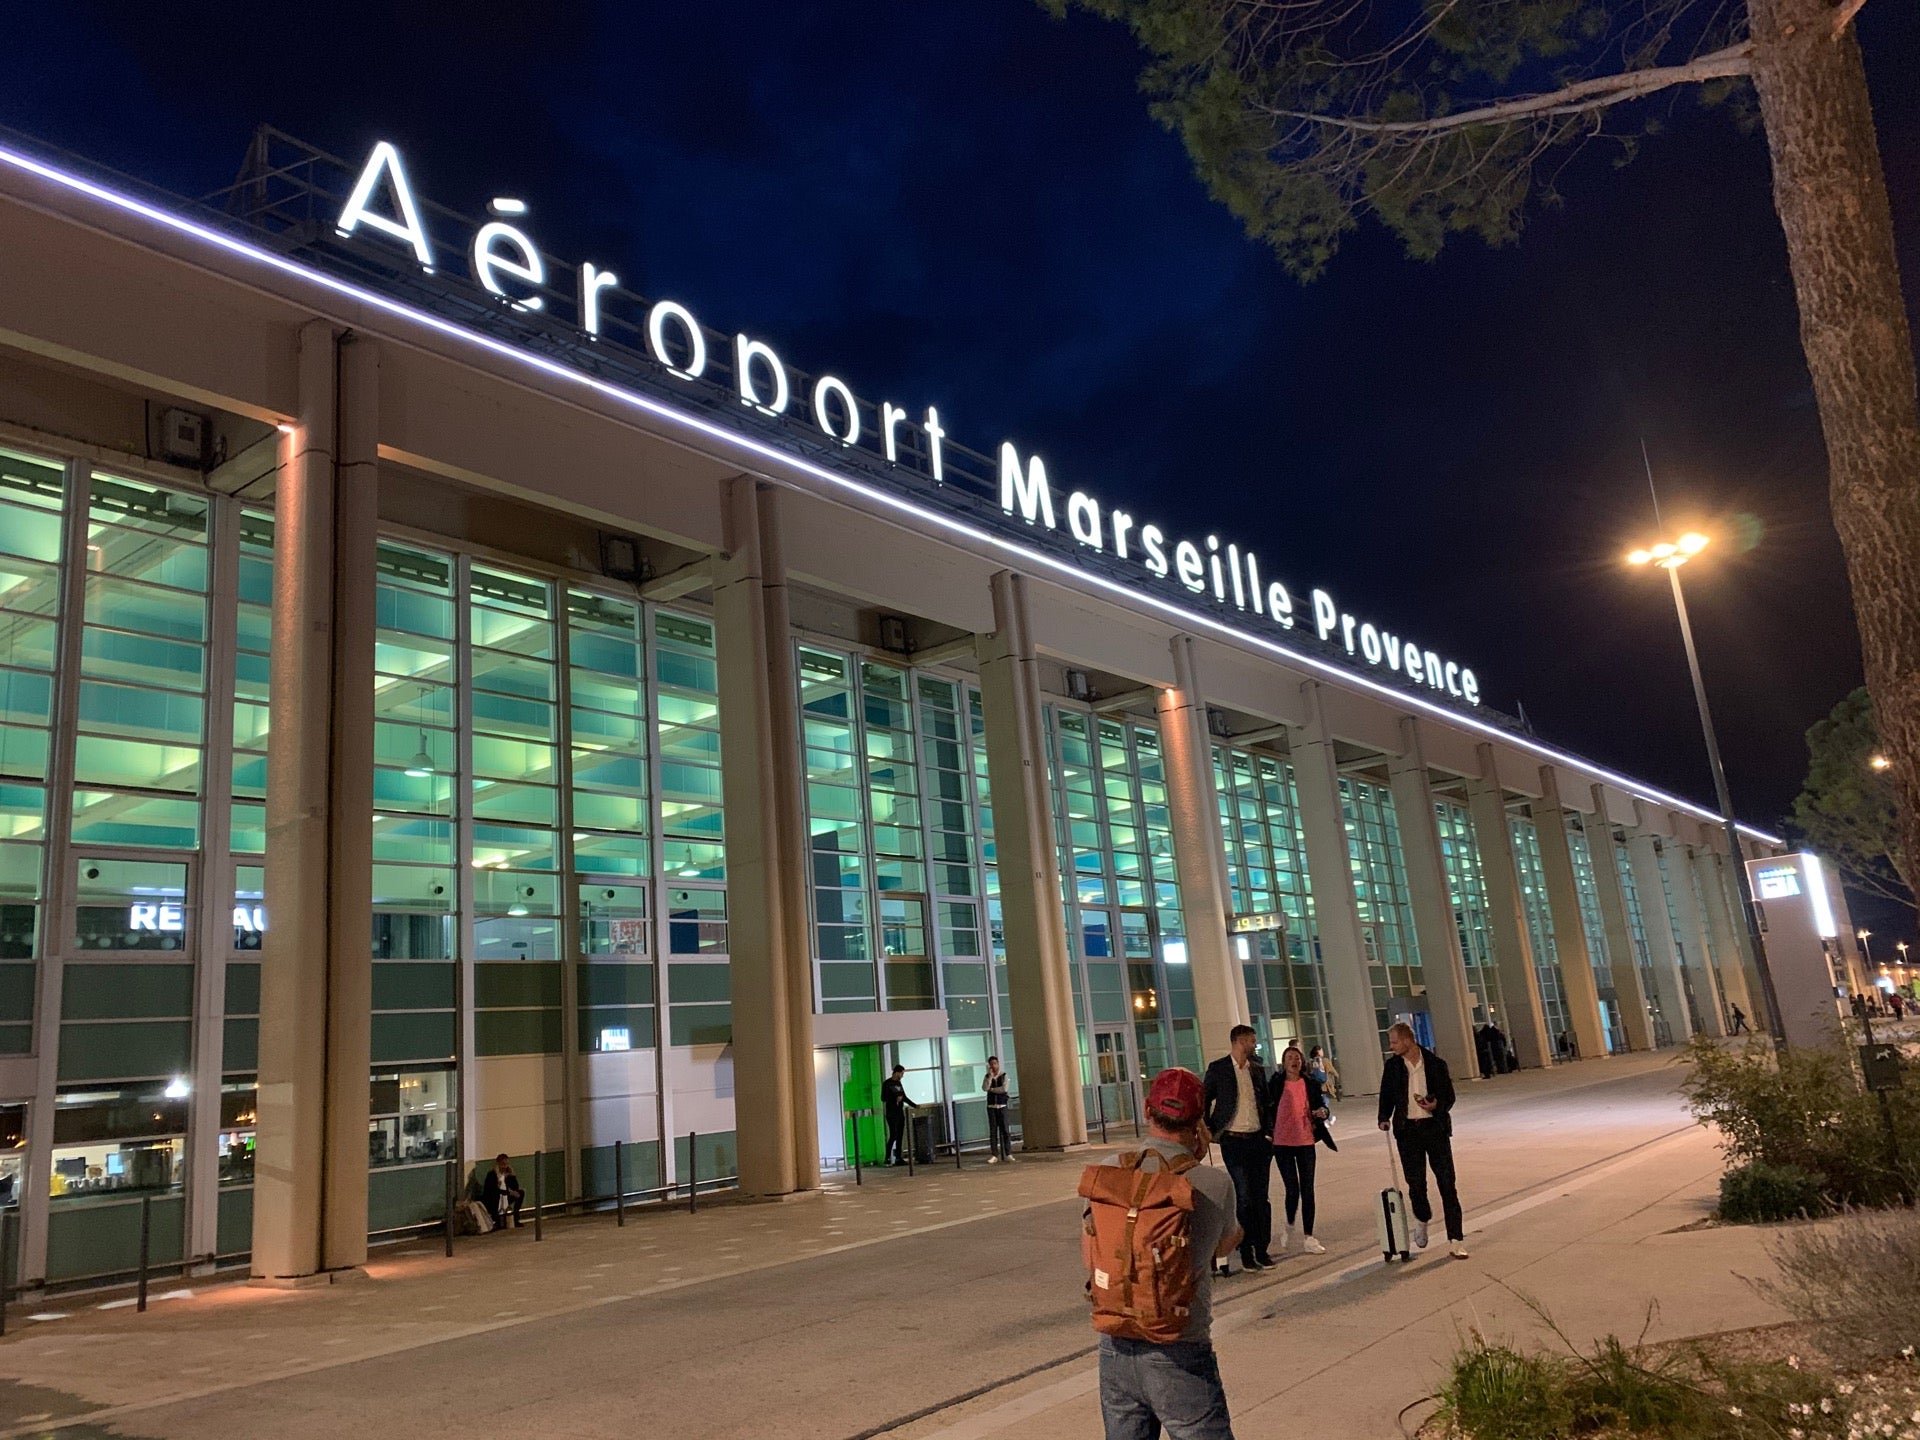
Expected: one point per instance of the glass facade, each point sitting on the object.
(549, 929)
(1540, 937)
(1467, 891)
(1599, 953)
(1267, 878)
(1380, 893)
(1657, 1018)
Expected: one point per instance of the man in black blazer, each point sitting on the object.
(1416, 1104)
(1239, 1114)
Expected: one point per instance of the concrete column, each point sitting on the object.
(1525, 1021)
(760, 755)
(316, 973)
(1434, 929)
(783, 682)
(1669, 988)
(1569, 927)
(1193, 811)
(1623, 958)
(1729, 938)
(1040, 991)
(1343, 952)
(214, 911)
(1694, 935)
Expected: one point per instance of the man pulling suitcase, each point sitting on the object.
(1416, 1105)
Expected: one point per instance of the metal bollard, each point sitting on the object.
(853, 1131)
(693, 1171)
(619, 1188)
(146, 1251)
(1100, 1107)
(538, 1189)
(909, 1146)
(452, 1186)
(953, 1124)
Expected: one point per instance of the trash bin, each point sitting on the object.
(920, 1136)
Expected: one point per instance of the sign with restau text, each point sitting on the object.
(506, 263)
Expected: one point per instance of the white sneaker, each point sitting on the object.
(1284, 1240)
(1459, 1250)
(1312, 1246)
(993, 1159)
(1420, 1234)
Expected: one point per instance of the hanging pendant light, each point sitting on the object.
(421, 766)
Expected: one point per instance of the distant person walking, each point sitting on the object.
(1416, 1104)
(1171, 1382)
(999, 1139)
(893, 1099)
(1739, 1021)
(1321, 1068)
(1299, 1122)
(1236, 1096)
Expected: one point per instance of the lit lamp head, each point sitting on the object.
(1880, 762)
(1669, 554)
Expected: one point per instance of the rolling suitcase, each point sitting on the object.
(1395, 1217)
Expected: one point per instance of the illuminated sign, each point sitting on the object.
(1254, 924)
(616, 1038)
(1776, 882)
(168, 919)
(505, 262)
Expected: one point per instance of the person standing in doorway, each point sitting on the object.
(1416, 1104)
(1144, 1385)
(999, 1140)
(893, 1099)
(1236, 1096)
(1739, 1020)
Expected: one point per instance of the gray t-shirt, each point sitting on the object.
(1213, 1220)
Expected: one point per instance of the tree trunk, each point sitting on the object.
(1831, 197)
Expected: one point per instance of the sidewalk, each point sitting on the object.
(863, 1306)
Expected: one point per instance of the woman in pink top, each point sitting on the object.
(1300, 1119)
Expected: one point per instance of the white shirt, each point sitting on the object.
(1417, 1085)
(1246, 1113)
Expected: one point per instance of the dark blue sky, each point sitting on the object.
(965, 204)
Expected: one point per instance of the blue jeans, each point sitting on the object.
(1144, 1387)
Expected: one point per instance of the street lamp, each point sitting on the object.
(1865, 949)
(1670, 555)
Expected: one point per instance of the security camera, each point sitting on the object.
(436, 889)
(92, 872)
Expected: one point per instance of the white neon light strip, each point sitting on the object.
(1823, 920)
(1186, 619)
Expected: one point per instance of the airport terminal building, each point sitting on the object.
(449, 698)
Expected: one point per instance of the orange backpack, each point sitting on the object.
(1140, 1223)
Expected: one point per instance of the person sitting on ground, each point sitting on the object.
(500, 1192)
(1300, 1114)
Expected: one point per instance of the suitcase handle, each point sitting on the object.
(1393, 1162)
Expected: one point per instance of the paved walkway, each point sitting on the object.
(947, 1304)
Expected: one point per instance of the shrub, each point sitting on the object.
(1758, 1193)
(1855, 1280)
(1805, 1109)
(1495, 1392)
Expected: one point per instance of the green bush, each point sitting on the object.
(1759, 1194)
(1495, 1392)
(1807, 1110)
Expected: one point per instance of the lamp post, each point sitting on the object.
(1670, 555)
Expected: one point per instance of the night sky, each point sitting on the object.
(965, 204)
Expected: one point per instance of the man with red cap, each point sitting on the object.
(1143, 1386)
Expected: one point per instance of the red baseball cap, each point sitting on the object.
(1175, 1096)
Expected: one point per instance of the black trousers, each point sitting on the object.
(1426, 1143)
(1249, 1162)
(999, 1138)
(1296, 1164)
(896, 1136)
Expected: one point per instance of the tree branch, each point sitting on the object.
(1585, 95)
(1843, 17)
